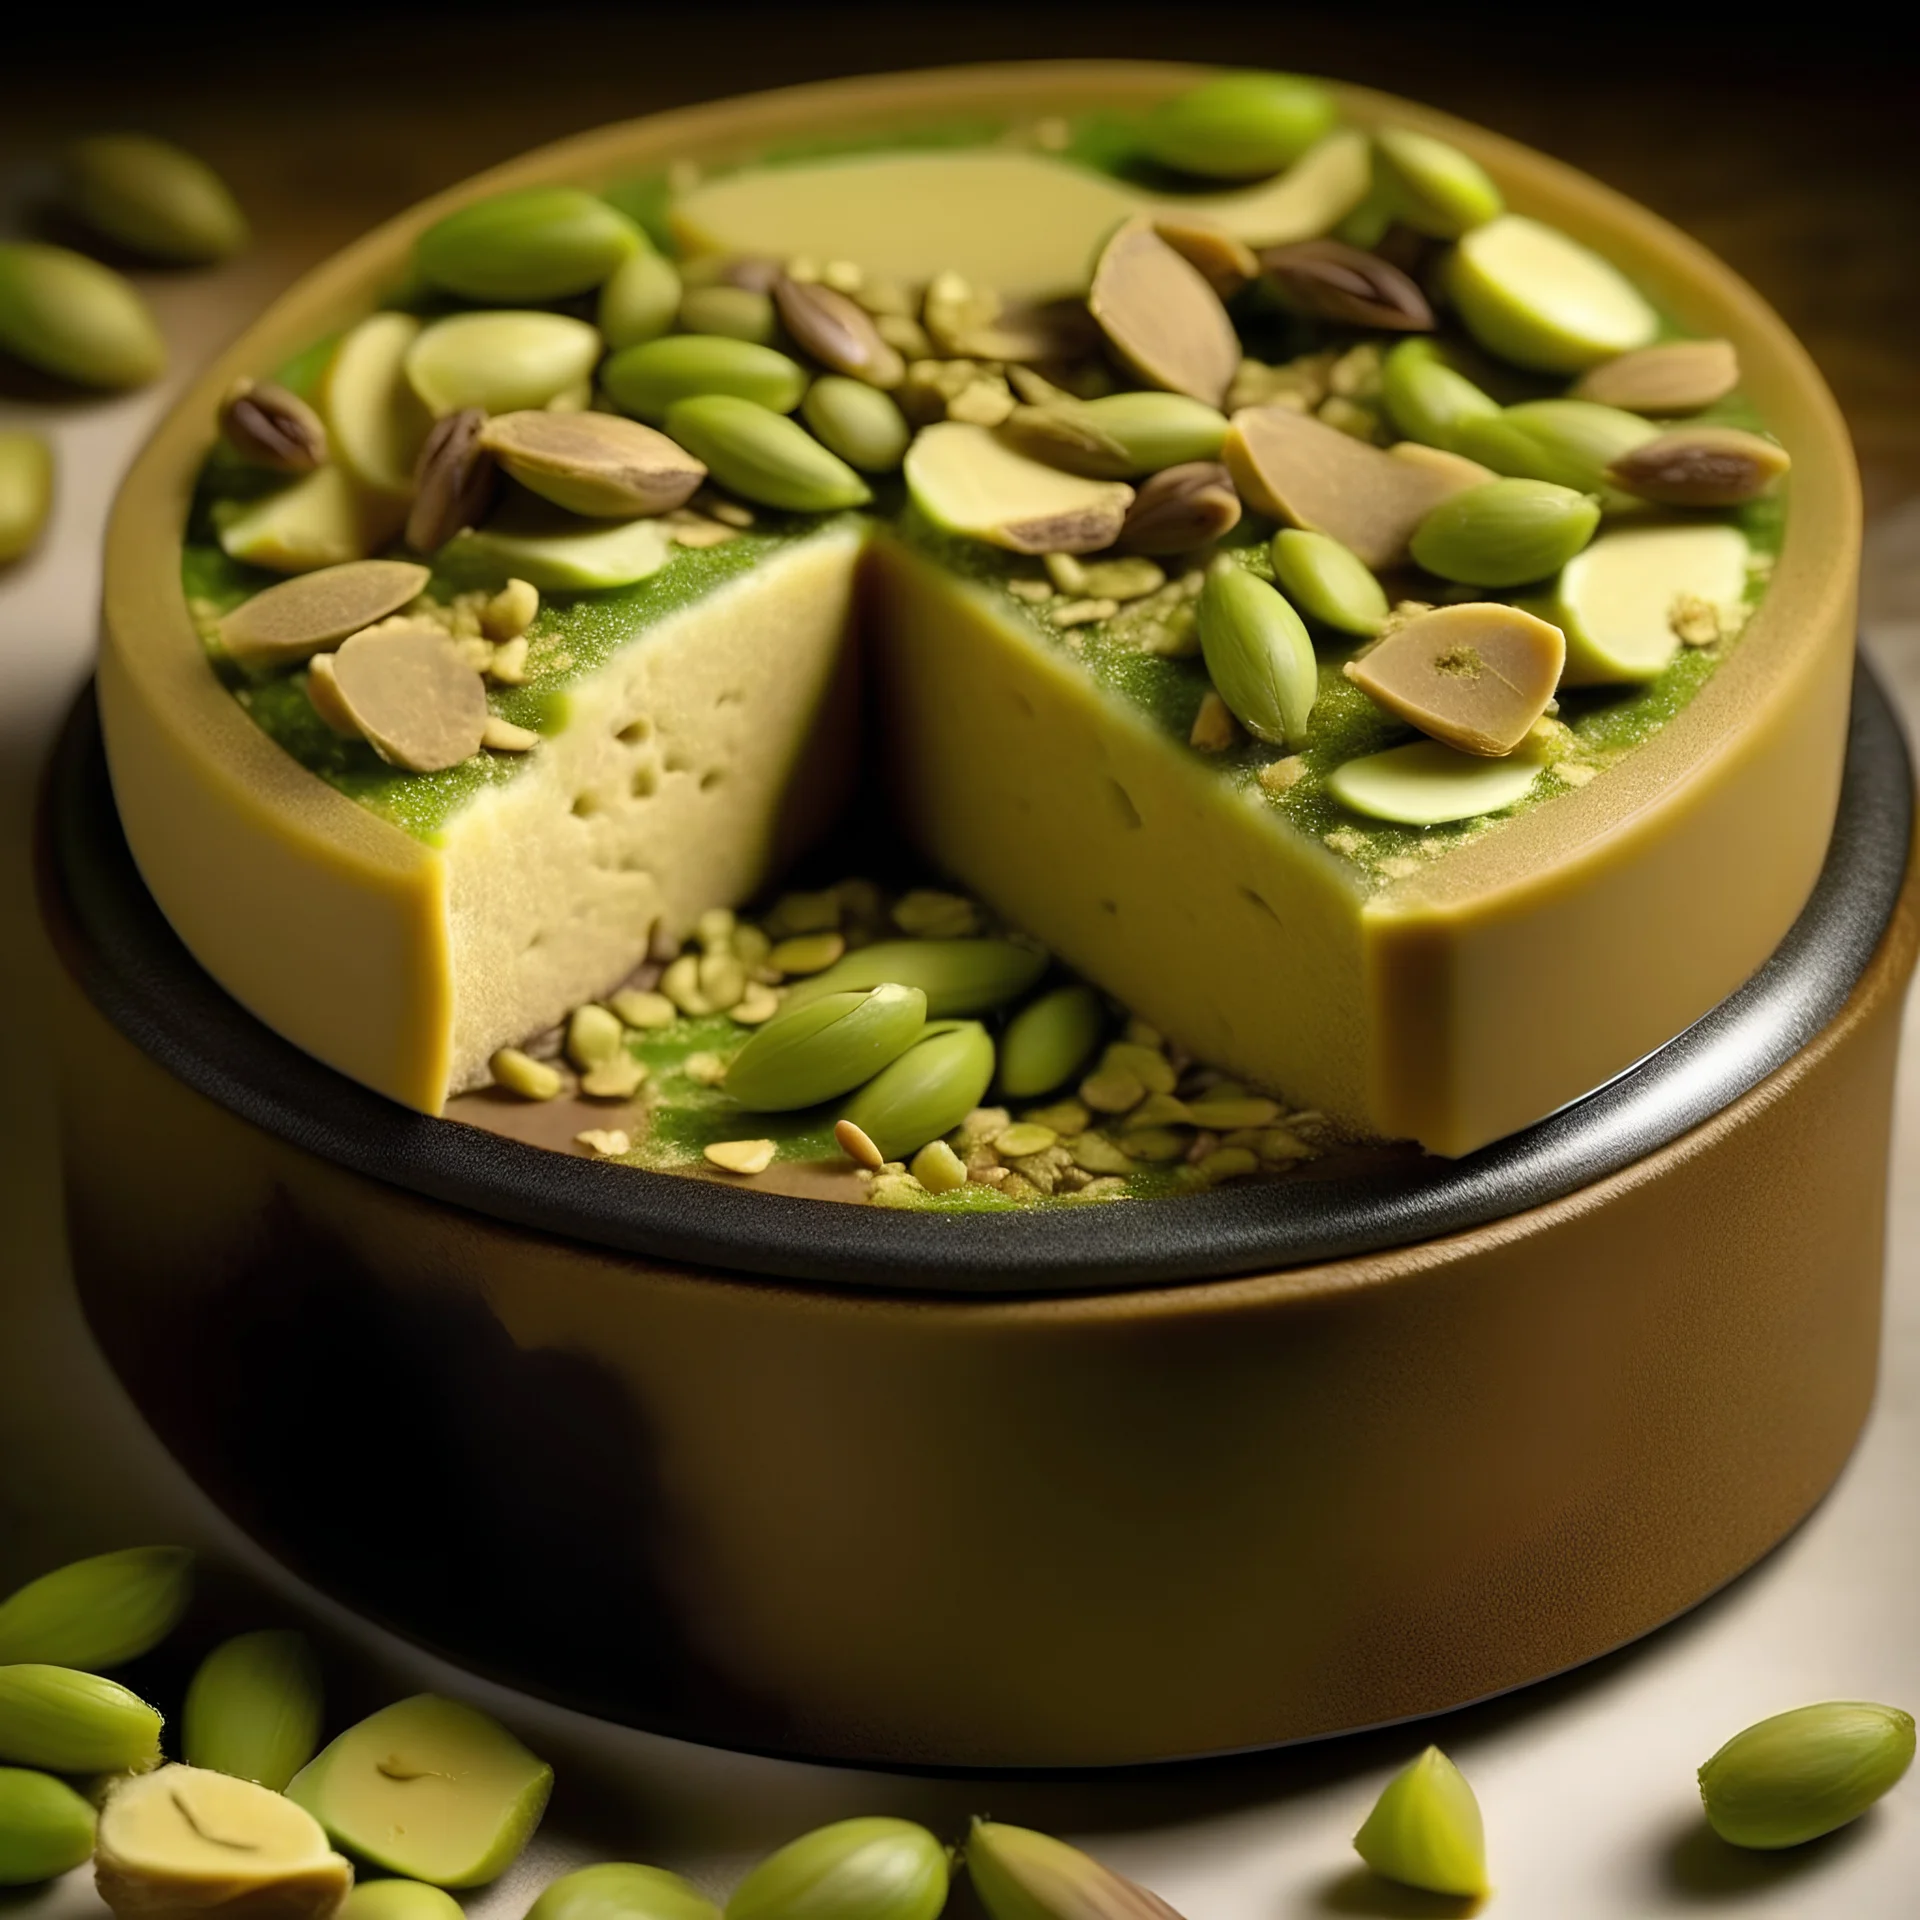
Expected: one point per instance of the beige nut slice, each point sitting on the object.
(1475, 677)
(416, 700)
(1299, 470)
(836, 331)
(1223, 260)
(965, 479)
(602, 465)
(293, 620)
(1700, 467)
(1678, 376)
(1162, 317)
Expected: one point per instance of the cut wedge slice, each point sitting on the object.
(375, 419)
(1427, 785)
(323, 520)
(551, 550)
(1533, 296)
(967, 481)
(1616, 601)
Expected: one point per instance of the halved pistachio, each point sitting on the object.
(285, 624)
(927, 1091)
(1222, 259)
(500, 361)
(1700, 466)
(968, 481)
(597, 464)
(1240, 126)
(1616, 600)
(65, 1721)
(269, 427)
(70, 316)
(1425, 1831)
(413, 696)
(539, 243)
(1427, 399)
(324, 519)
(1050, 1041)
(556, 552)
(764, 456)
(26, 491)
(864, 426)
(1677, 376)
(639, 300)
(1327, 279)
(836, 331)
(828, 1046)
(1180, 508)
(454, 480)
(1300, 471)
(1540, 299)
(378, 423)
(1436, 189)
(1023, 1875)
(1161, 316)
(153, 197)
(1258, 654)
(1119, 435)
(1505, 533)
(1475, 676)
(1427, 784)
(648, 379)
(1570, 442)
(957, 976)
(1328, 582)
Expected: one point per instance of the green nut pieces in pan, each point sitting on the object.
(538, 244)
(957, 976)
(865, 1869)
(827, 1047)
(763, 456)
(1258, 655)
(1505, 533)
(927, 1091)
(1049, 1042)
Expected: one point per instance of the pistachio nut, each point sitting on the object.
(174, 1843)
(967, 480)
(595, 1035)
(1180, 508)
(1119, 435)
(730, 313)
(1049, 1042)
(1570, 442)
(521, 248)
(618, 1890)
(324, 519)
(836, 331)
(1700, 466)
(957, 976)
(70, 316)
(647, 379)
(533, 541)
(500, 361)
(1224, 261)
(1791, 1778)
(864, 426)
(1427, 399)
(1616, 599)
(826, 1047)
(1312, 197)
(400, 1900)
(1328, 582)
(1328, 279)
(269, 427)
(377, 422)
(1258, 654)
(1240, 126)
(1532, 295)
(46, 1828)
(412, 693)
(524, 1076)
(151, 197)
(253, 1708)
(1023, 1875)
(71, 1722)
(26, 491)
(1161, 316)
(927, 1091)
(1505, 533)
(454, 483)
(1427, 784)
(866, 1869)
(596, 464)
(291, 621)
(100, 1612)
(1425, 1830)
(764, 456)
(1436, 189)
(639, 300)
(1476, 676)
(1677, 376)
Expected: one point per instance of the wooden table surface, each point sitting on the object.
(1793, 155)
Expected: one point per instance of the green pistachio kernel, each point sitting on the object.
(857, 421)
(867, 1869)
(1570, 442)
(1436, 188)
(1425, 1830)
(1328, 582)
(763, 456)
(647, 379)
(254, 1708)
(399, 1900)
(1240, 126)
(938, 1168)
(927, 1092)
(70, 1722)
(640, 298)
(732, 313)
(957, 976)
(70, 316)
(1425, 398)
(1533, 296)
(153, 198)
(1426, 784)
(1791, 1778)
(1258, 655)
(45, 1827)
(1505, 533)
(619, 1890)
(26, 491)
(825, 1048)
(1023, 1875)
(100, 1612)
(1156, 430)
(500, 362)
(540, 243)
(1050, 1042)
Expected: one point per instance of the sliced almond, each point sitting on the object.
(1700, 467)
(966, 479)
(1297, 469)
(1223, 260)
(741, 1156)
(1475, 677)
(325, 696)
(1160, 315)
(601, 465)
(411, 694)
(1678, 376)
(287, 623)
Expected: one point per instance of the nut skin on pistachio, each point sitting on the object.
(454, 483)
(1330, 280)
(1023, 1875)
(269, 427)
(1180, 508)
